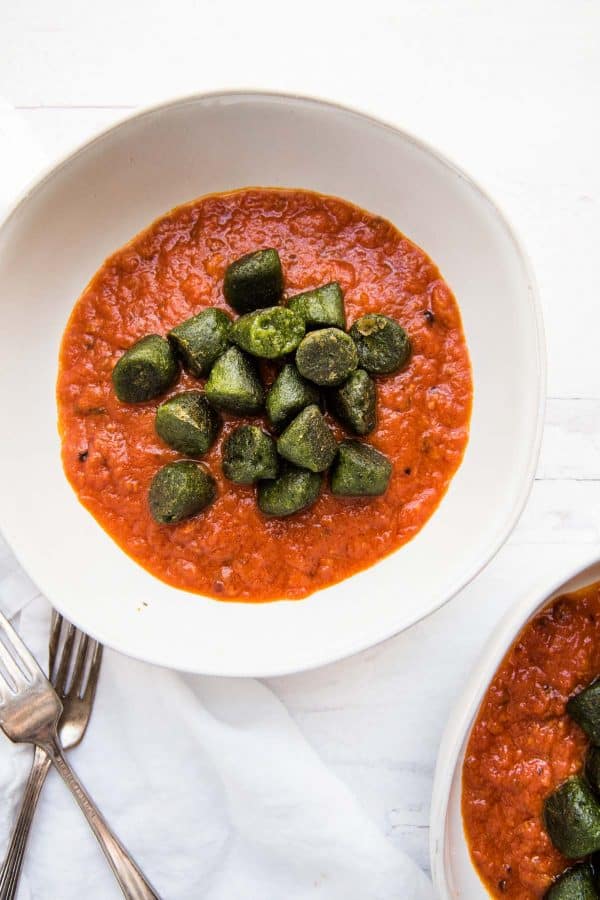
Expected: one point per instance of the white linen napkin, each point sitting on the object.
(207, 781)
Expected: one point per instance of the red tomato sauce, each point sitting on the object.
(173, 270)
(523, 745)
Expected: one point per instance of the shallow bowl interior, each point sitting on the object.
(453, 872)
(97, 199)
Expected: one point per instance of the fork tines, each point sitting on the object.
(74, 658)
(15, 660)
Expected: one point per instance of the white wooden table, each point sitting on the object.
(510, 90)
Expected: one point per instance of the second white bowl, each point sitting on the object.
(453, 872)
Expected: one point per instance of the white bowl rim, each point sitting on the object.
(466, 707)
(497, 541)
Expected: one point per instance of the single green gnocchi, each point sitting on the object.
(355, 403)
(383, 345)
(294, 490)
(187, 423)
(308, 441)
(249, 455)
(234, 385)
(253, 281)
(584, 707)
(327, 357)
(321, 308)
(577, 883)
(572, 818)
(145, 371)
(360, 471)
(288, 395)
(268, 333)
(199, 341)
(180, 490)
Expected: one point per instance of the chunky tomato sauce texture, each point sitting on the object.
(173, 270)
(523, 745)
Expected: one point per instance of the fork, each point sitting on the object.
(77, 702)
(29, 713)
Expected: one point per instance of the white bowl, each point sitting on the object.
(453, 872)
(103, 194)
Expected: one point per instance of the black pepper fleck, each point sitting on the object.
(83, 455)
(429, 315)
(502, 885)
(91, 411)
(408, 470)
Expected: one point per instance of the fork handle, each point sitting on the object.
(11, 868)
(131, 880)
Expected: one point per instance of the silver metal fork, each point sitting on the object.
(82, 655)
(30, 710)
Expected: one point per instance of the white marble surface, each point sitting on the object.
(512, 92)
